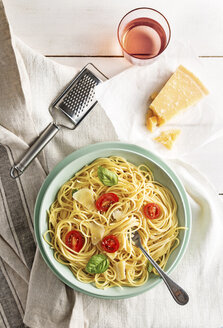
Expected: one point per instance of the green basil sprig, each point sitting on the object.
(107, 177)
(97, 264)
(150, 267)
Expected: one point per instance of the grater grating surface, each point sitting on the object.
(79, 97)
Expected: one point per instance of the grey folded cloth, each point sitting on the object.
(29, 292)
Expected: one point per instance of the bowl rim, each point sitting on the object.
(109, 146)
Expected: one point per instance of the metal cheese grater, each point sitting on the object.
(76, 101)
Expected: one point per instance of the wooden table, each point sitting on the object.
(75, 32)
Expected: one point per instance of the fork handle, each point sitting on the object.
(34, 150)
(179, 295)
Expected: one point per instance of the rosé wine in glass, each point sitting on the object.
(143, 34)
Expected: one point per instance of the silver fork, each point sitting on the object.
(179, 295)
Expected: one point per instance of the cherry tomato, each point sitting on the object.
(74, 240)
(151, 211)
(110, 244)
(105, 201)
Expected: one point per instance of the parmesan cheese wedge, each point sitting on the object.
(97, 232)
(120, 270)
(167, 138)
(181, 91)
(85, 197)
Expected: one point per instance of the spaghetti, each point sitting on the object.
(135, 188)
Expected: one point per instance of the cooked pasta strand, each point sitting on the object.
(135, 188)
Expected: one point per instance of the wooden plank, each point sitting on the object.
(109, 66)
(88, 27)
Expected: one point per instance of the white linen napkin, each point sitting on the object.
(28, 85)
(125, 98)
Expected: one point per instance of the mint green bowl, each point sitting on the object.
(73, 163)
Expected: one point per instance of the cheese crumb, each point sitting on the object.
(167, 138)
(151, 123)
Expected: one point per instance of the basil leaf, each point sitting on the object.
(97, 264)
(73, 191)
(150, 267)
(107, 177)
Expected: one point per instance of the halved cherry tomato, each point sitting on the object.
(151, 211)
(105, 201)
(74, 240)
(110, 244)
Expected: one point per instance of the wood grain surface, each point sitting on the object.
(75, 32)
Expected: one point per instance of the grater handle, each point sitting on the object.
(34, 150)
